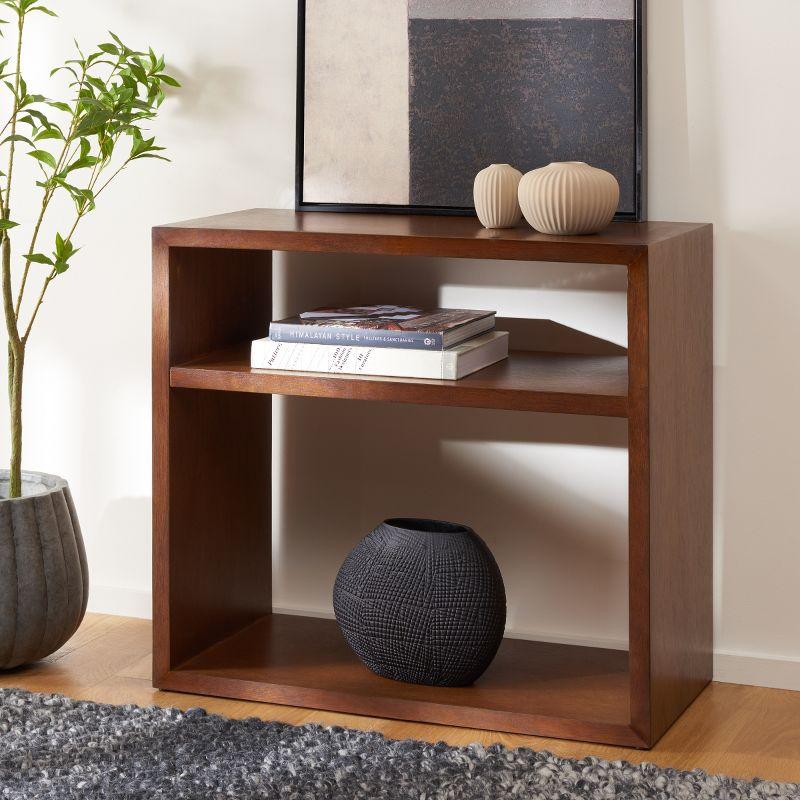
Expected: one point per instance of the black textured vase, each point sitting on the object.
(422, 601)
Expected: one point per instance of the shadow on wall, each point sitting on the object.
(757, 461)
(541, 490)
(209, 92)
(122, 535)
(548, 493)
(323, 279)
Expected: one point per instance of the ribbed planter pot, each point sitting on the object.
(422, 601)
(44, 582)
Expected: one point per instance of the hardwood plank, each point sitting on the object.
(390, 234)
(530, 687)
(98, 657)
(743, 731)
(526, 381)
(93, 627)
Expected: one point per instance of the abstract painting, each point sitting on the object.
(402, 102)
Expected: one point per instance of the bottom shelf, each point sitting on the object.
(536, 688)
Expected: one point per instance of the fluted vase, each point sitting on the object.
(569, 198)
(495, 196)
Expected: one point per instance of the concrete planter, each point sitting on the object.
(44, 582)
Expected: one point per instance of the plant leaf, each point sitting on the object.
(150, 155)
(81, 163)
(44, 157)
(53, 133)
(18, 138)
(39, 258)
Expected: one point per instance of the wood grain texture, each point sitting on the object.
(639, 496)
(211, 466)
(671, 467)
(388, 234)
(743, 731)
(211, 455)
(681, 369)
(554, 382)
(554, 690)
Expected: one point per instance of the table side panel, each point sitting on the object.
(680, 274)
(211, 455)
(639, 497)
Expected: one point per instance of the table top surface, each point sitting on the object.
(404, 226)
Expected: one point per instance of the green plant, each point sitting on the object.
(81, 144)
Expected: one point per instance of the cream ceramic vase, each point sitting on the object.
(568, 198)
(496, 198)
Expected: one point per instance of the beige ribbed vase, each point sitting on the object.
(568, 198)
(495, 194)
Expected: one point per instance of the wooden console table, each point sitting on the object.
(214, 629)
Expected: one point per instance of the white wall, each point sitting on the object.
(548, 493)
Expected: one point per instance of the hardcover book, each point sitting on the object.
(383, 326)
(452, 364)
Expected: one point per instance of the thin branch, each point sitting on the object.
(48, 196)
(36, 308)
(5, 127)
(26, 270)
(48, 280)
(11, 149)
(98, 170)
(49, 192)
(68, 237)
(116, 172)
(15, 343)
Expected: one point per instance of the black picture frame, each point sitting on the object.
(639, 144)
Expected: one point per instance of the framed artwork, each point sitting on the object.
(401, 102)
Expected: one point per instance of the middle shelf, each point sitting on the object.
(526, 381)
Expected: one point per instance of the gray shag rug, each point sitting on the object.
(54, 747)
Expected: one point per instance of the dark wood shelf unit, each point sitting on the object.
(214, 631)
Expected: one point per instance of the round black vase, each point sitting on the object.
(422, 601)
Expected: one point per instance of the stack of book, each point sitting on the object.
(390, 341)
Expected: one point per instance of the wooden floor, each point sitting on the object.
(734, 730)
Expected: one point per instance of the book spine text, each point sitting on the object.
(268, 354)
(354, 337)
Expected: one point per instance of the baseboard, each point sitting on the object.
(775, 672)
(752, 669)
(120, 602)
